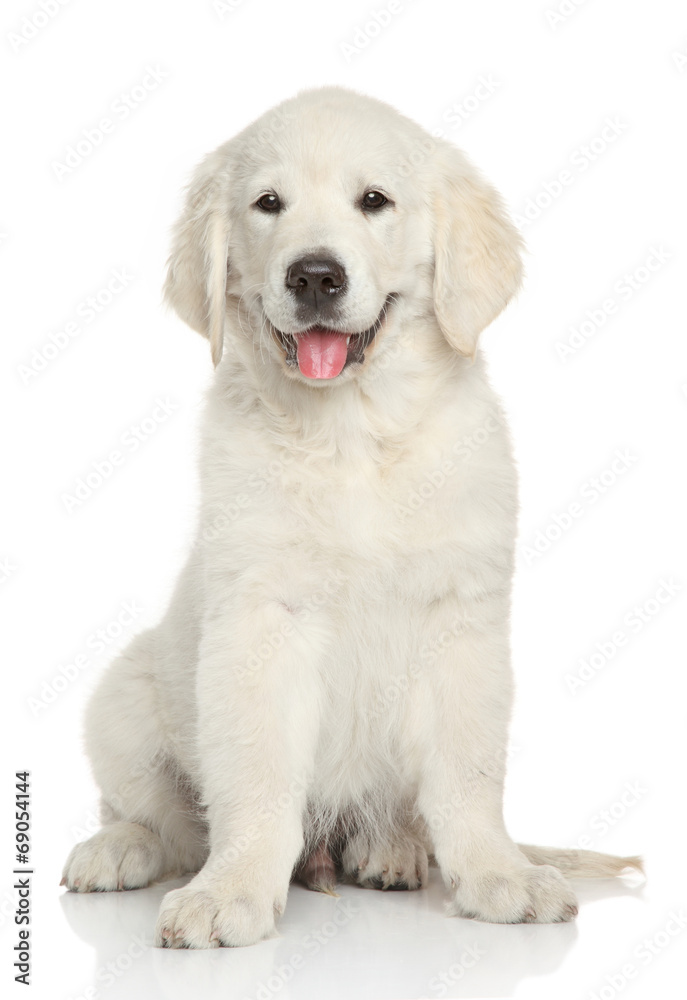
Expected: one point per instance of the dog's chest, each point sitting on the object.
(344, 505)
(371, 506)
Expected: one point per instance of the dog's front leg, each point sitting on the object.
(461, 790)
(257, 722)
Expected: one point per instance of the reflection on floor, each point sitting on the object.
(364, 944)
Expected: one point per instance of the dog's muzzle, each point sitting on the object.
(320, 352)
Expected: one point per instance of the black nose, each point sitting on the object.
(311, 277)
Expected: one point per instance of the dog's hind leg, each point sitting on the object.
(151, 823)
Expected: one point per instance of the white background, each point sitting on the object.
(67, 573)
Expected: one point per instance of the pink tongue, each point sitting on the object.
(321, 354)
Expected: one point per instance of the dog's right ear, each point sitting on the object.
(196, 280)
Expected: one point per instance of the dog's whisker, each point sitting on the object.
(249, 333)
(262, 338)
(244, 293)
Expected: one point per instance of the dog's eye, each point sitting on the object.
(372, 200)
(269, 203)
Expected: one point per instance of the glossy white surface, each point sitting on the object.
(366, 944)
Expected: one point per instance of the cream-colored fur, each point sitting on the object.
(333, 670)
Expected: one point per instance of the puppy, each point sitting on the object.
(329, 692)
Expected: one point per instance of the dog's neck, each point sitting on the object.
(382, 406)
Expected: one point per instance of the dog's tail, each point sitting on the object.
(581, 864)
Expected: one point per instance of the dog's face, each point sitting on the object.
(325, 235)
(324, 223)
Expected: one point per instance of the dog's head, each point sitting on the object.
(326, 218)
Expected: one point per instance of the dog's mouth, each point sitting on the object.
(322, 353)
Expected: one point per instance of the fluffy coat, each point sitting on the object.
(330, 688)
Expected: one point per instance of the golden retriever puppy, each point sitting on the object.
(329, 692)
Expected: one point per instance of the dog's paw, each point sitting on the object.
(120, 856)
(400, 865)
(317, 871)
(204, 915)
(536, 894)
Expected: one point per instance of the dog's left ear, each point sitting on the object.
(197, 266)
(477, 264)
